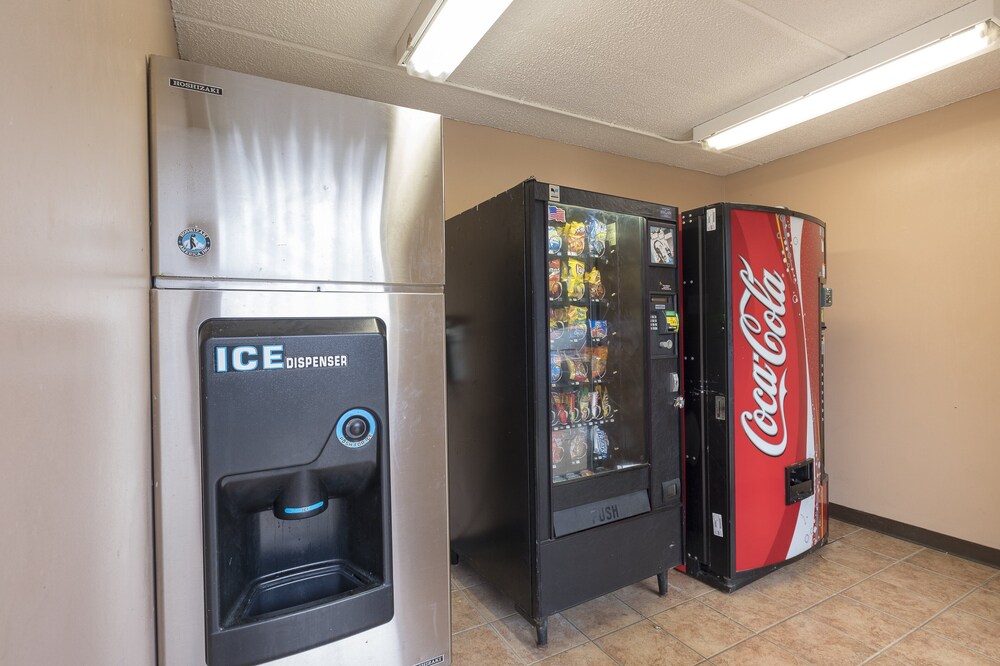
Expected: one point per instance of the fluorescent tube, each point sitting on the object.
(452, 32)
(907, 67)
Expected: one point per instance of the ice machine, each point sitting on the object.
(298, 374)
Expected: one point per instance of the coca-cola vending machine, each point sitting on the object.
(753, 293)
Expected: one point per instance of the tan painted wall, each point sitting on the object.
(76, 576)
(913, 367)
(481, 162)
(913, 210)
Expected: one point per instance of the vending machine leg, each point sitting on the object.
(542, 632)
(661, 581)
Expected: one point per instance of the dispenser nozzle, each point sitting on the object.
(303, 497)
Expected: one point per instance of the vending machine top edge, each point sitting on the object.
(297, 330)
(564, 394)
(754, 294)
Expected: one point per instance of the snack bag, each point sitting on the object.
(585, 412)
(555, 240)
(577, 369)
(598, 329)
(594, 403)
(578, 445)
(555, 286)
(606, 410)
(555, 367)
(598, 362)
(597, 236)
(573, 410)
(562, 410)
(556, 325)
(576, 334)
(575, 290)
(575, 314)
(557, 450)
(601, 444)
(575, 236)
(593, 278)
(575, 273)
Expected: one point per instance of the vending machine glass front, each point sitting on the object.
(595, 342)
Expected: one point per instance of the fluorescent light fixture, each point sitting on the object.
(953, 38)
(443, 32)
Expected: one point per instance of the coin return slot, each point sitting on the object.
(798, 481)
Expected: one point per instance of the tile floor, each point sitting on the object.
(865, 598)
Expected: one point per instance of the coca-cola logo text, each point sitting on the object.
(762, 424)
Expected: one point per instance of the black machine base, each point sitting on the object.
(661, 583)
(542, 626)
(732, 583)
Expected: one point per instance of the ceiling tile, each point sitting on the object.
(363, 29)
(854, 25)
(658, 66)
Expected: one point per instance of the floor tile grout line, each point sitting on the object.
(731, 619)
(474, 610)
(759, 635)
(592, 639)
(761, 632)
(921, 546)
(805, 610)
(936, 550)
(950, 577)
(773, 624)
(866, 605)
(507, 643)
(967, 646)
(617, 663)
(890, 557)
(922, 625)
(691, 647)
(814, 605)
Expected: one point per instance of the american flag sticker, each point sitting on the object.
(556, 214)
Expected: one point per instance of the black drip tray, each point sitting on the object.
(293, 590)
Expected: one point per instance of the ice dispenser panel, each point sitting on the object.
(295, 449)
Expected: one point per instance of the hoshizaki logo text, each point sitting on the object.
(196, 87)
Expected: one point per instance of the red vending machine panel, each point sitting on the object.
(756, 487)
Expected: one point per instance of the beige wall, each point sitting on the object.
(913, 367)
(913, 209)
(481, 162)
(76, 580)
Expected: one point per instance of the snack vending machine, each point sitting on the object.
(563, 394)
(298, 374)
(754, 290)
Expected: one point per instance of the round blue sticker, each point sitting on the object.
(194, 242)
